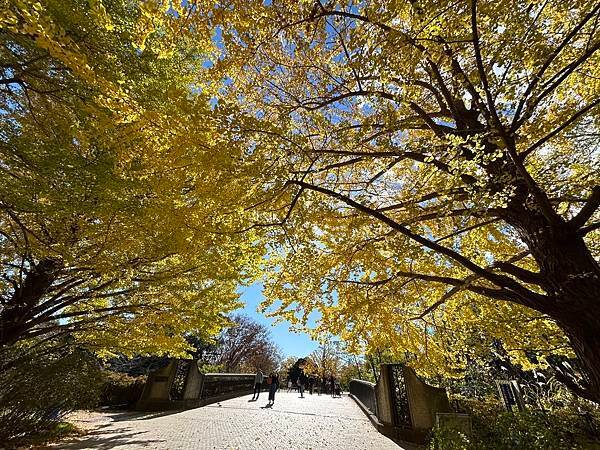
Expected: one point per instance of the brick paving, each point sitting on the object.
(314, 422)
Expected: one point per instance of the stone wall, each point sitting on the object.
(156, 391)
(199, 389)
(423, 402)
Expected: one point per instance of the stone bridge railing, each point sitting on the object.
(364, 392)
(402, 406)
(180, 385)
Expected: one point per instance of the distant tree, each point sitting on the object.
(286, 366)
(246, 345)
(349, 372)
(201, 350)
(136, 365)
(243, 346)
(325, 360)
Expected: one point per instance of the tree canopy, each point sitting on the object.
(424, 173)
(118, 185)
(435, 172)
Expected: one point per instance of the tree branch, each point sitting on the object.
(587, 210)
(481, 68)
(585, 230)
(524, 275)
(526, 296)
(557, 130)
(466, 284)
(538, 76)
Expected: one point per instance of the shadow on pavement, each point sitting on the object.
(139, 415)
(122, 437)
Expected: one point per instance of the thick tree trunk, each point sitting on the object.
(571, 279)
(584, 336)
(15, 313)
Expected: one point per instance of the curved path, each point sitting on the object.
(313, 422)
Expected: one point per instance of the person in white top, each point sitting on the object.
(258, 379)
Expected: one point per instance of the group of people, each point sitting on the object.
(272, 382)
(325, 385)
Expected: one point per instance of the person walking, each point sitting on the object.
(273, 386)
(332, 385)
(258, 379)
(301, 383)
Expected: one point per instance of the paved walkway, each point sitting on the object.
(314, 422)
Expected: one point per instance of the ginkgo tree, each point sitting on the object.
(426, 172)
(435, 183)
(119, 182)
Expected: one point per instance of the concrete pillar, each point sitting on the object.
(193, 383)
(157, 388)
(383, 392)
(424, 400)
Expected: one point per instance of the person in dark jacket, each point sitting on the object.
(273, 386)
(332, 385)
(301, 383)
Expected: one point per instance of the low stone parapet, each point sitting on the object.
(180, 385)
(400, 404)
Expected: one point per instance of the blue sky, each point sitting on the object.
(291, 344)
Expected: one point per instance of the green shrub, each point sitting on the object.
(120, 389)
(527, 430)
(35, 394)
(494, 428)
(448, 439)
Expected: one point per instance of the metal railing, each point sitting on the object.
(365, 392)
